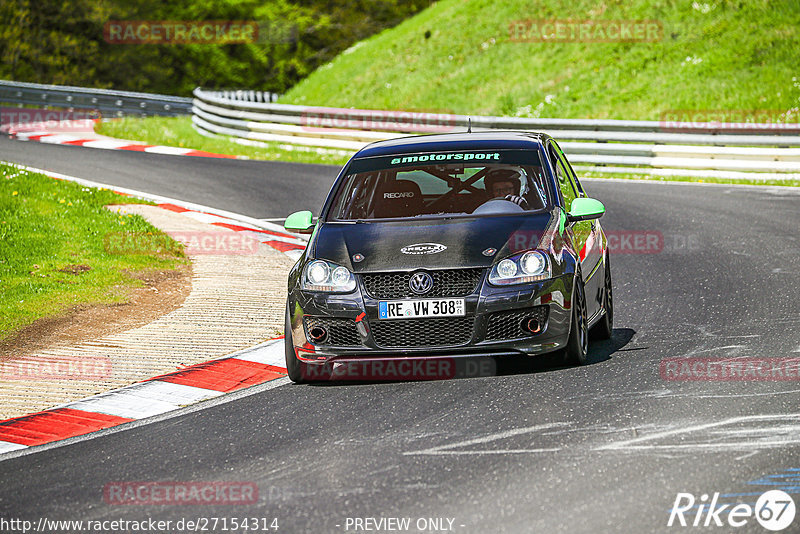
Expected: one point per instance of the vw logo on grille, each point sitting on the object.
(420, 283)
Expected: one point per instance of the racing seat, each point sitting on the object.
(400, 198)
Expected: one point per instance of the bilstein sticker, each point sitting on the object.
(463, 156)
(423, 248)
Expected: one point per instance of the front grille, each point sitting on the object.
(508, 324)
(443, 332)
(341, 332)
(446, 283)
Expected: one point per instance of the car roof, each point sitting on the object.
(484, 140)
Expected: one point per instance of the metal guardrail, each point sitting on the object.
(108, 102)
(254, 117)
(706, 148)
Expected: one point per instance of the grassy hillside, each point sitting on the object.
(457, 56)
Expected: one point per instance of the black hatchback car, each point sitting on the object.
(444, 246)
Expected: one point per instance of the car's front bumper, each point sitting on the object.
(356, 333)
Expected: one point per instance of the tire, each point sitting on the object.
(294, 367)
(577, 349)
(605, 326)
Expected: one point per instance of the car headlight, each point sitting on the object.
(528, 267)
(321, 275)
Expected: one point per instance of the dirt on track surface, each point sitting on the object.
(163, 291)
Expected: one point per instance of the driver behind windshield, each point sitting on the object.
(505, 184)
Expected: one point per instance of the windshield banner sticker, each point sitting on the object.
(464, 156)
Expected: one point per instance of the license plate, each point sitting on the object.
(409, 309)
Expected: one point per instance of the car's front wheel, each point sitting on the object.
(294, 367)
(577, 349)
(604, 327)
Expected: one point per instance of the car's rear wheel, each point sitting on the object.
(605, 326)
(577, 349)
(294, 367)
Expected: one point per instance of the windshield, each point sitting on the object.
(412, 186)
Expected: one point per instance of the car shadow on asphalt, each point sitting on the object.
(599, 351)
(480, 367)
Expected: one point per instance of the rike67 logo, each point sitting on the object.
(774, 510)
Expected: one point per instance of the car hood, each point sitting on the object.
(466, 241)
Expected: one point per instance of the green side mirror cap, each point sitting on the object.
(583, 209)
(300, 221)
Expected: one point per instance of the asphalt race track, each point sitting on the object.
(540, 448)
(241, 186)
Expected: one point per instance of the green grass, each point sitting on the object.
(178, 131)
(735, 56)
(53, 253)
